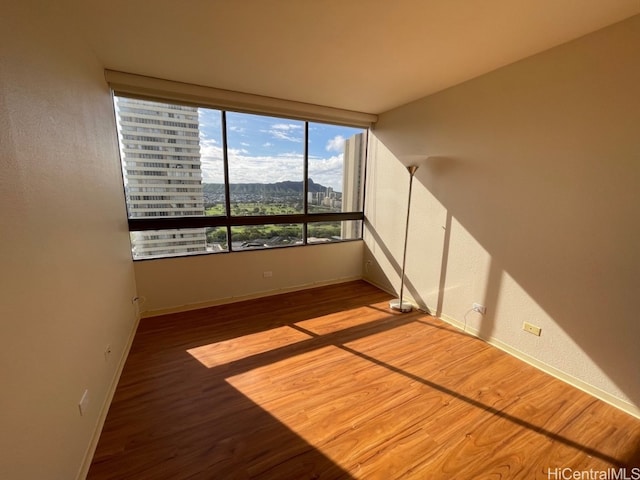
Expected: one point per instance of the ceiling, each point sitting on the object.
(363, 55)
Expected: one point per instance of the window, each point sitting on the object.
(245, 182)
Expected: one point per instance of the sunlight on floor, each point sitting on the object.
(382, 395)
(330, 324)
(227, 351)
(335, 416)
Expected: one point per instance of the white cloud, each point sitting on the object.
(237, 151)
(209, 120)
(284, 135)
(267, 144)
(327, 171)
(246, 168)
(286, 131)
(264, 168)
(211, 162)
(286, 126)
(335, 144)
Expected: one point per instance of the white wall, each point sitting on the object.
(529, 205)
(175, 284)
(66, 277)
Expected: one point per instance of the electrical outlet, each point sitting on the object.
(528, 327)
(83, 404)
(481, 309)
(107, 353)
(268, 274)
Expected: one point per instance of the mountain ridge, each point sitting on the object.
(284, 187)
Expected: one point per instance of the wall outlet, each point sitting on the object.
(107, 353)
(267, 274)
(528, 327)
(481, 309)
(83, 404)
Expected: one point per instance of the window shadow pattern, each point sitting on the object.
(286, 411)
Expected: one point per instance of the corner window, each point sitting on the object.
(199, 180)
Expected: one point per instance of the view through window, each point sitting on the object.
(199, 180)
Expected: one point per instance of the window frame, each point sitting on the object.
(139, 224)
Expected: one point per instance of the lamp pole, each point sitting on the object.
(399, 304)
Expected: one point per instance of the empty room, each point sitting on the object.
(283, 239)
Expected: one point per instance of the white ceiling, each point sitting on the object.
(362, 55)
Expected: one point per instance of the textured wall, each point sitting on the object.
(529, 205)
(66, 280)
(172, 284)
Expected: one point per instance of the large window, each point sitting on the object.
(199, 180)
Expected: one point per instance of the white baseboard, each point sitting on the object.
(251, 296)
(606, 397)
(91, 449)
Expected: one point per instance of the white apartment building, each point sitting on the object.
(354, 158)
(160, 148)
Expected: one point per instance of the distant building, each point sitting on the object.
(352, 181)
(160, 144)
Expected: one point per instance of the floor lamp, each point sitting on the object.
(399, 304)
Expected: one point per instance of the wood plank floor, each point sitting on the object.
(330, 384)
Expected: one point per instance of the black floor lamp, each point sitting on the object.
(399, 304)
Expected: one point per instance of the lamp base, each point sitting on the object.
(400, 305)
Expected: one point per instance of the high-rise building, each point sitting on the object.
(160, 147)
(355, 149)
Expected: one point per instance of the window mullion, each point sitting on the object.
(227, 192)
(176, 156)
(305, 182)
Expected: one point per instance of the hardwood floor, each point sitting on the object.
(329, 383)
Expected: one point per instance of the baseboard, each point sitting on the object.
(251, 296)
(91, 449)
(606, 397)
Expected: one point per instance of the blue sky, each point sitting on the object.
(266, 149)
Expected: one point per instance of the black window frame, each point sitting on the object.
(138, 224)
